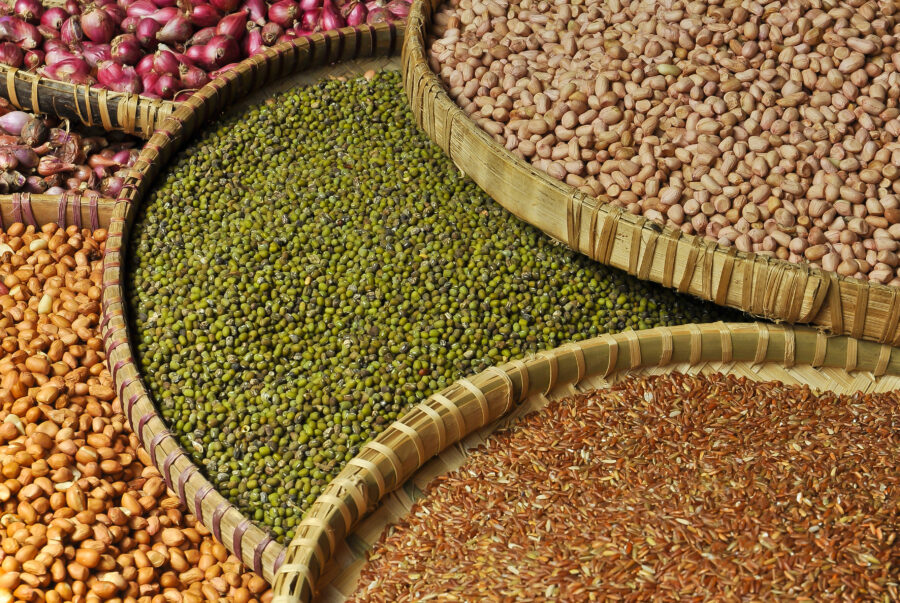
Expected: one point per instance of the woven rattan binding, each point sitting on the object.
(761, 286)
(757, 351)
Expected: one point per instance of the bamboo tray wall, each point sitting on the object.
(84, 211)
(292, 63)
(769, 288)
(131, 113)
(324, 560)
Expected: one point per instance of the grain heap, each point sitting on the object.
(770, 126)
(663, 488)
(83, 514)
(291, 299)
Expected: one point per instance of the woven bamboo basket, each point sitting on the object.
(285, 65)
(379, 485)
(89, 210)
(79, 103)
(769, 288)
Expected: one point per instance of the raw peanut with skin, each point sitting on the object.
(788, 105)
(85, 517)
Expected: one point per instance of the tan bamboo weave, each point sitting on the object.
(131, 113)
(255, 547)
(769, 288)
(88, 210)
(758, 351)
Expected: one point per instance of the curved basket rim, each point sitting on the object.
(131, 113)
(808, 294)
(470, 404)
(256, 547)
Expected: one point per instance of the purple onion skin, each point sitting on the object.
(116, 13)
(29, 10)
(257, 10)
(129, 24)
(284, 13)
(310, 20)
(8, 160)
(192, 77)
(48, 33)
(26, 35)
(145, 65)
(165, 62)
(50, 165)
(35, 185)
(122, 157)
(141, 8)
(125, 49)
(11, 54)
(205, 15)
(111, 186)
(399, 9)
(222, 50)
(97, 25)
(146, 32)
(76, 71)
(356, 15)
(330, 18)
(177, 30)
(26, 156)
(222, 70)
(202, 37)
(119, 78)
(13, 122)
(94, 54)
(54, 17)
(164, 15)
(57, 55)
(271, 32)
(378, 15)
(148, 80)
(71, 32)
(166, 86)
(226, 6)
(33, 59)
(234, 25)
(253, 43)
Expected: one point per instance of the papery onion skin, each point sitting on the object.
(125, 49)
(234, 25)
(11, 54)
(97, 25)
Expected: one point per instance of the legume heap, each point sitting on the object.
(768, 126)
(672, 488)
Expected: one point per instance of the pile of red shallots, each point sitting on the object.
(41, 155)
(165, 48)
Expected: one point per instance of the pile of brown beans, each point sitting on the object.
(84, 516)
(768, 126)
(662, 488)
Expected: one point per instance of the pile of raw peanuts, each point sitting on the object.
(84, 516)
(768, 126)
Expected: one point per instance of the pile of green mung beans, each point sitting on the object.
(308, 269)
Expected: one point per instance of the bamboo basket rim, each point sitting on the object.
(467, 406)
(255, 547)
(86, 209)
(92, 106)
(759, 285)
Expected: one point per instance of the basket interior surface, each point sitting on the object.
(341, 576)
(796, 293)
